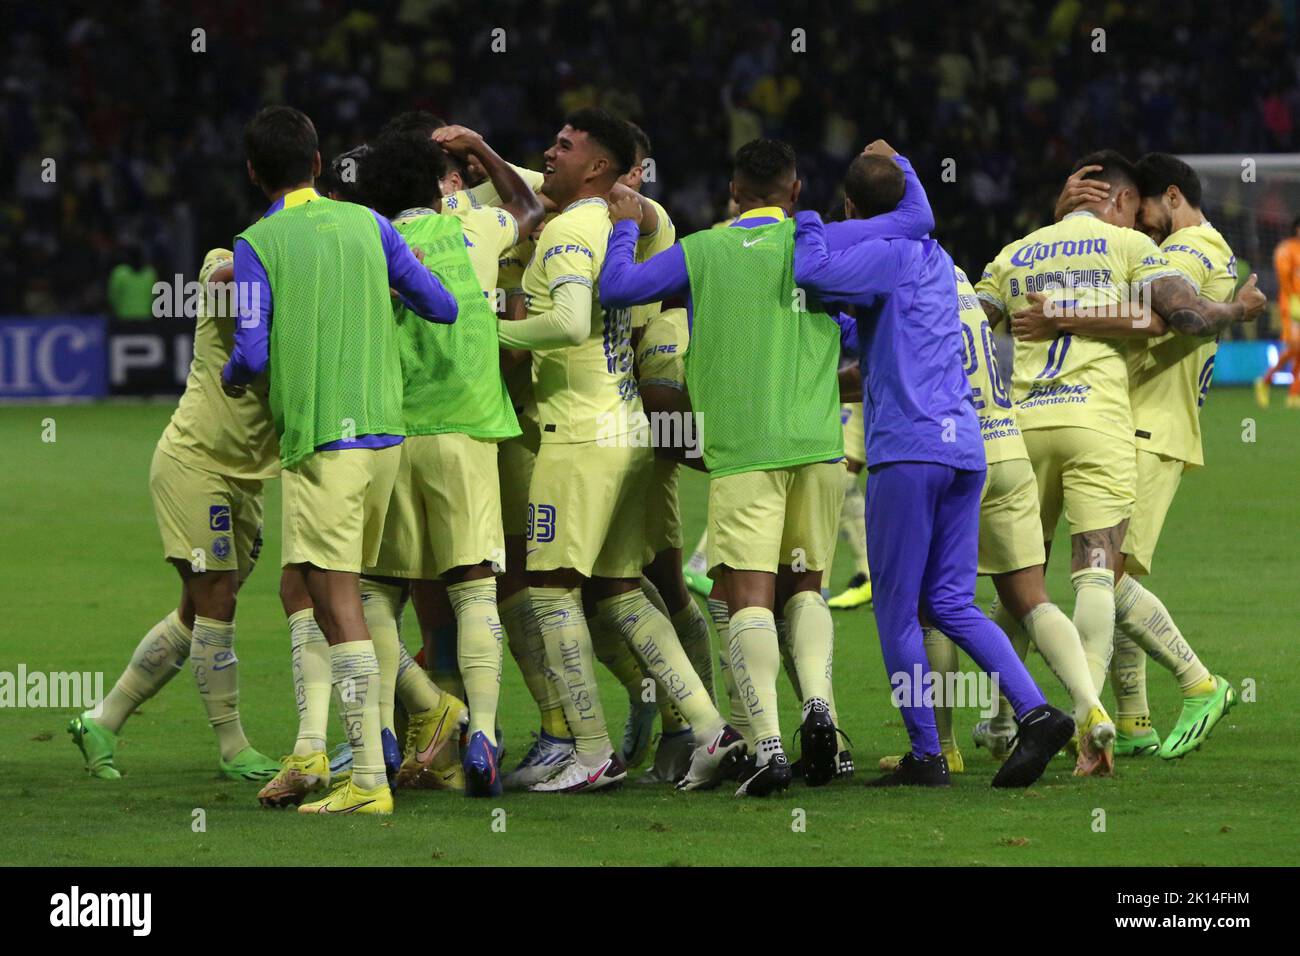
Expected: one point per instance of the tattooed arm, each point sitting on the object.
(1186, 312)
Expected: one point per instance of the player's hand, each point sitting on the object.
(233, 390)
(1251, 298)
(1033, 324)
(1079, 191)
(878, 147)
(625, 205)
(460, 141)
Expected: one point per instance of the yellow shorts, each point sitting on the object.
(855, 442)
(515, 463)
(663, 513)
(445, 511)
(759, 520)
(206, 519)
(1011, 535)
(1158, 478)
(333, 505)
(1086, 473)
(587, 509)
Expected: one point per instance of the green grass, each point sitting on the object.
(84, 580)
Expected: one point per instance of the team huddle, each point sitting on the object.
(478, 385)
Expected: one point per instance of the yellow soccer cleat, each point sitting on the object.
(855, 594)
(298, 777)
(428, 734)
(951, 754)
(1261, 392)
(349, 798)
(1096, 746)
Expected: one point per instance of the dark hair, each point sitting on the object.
(280, 143)
(1115, 168)
(335, 178)
(762, 164)
(400, 172)
(1158, 171)
(640, 140)
(610, 133)
(413, 121)
(874, 185)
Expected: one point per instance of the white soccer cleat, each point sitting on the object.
(577, 777)
(672, 758)
(717, 759)
(998, 742)
(544, 759)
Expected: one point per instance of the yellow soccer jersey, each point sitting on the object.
(665, 235)
(510, 278)
(489, 234)
(1169, 376)
(662, 353)
(587, 391)
(992, 397)
(209, 429)
(1073, 379)
(485, 194)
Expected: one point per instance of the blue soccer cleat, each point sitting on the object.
(392, 755)
(482, 776)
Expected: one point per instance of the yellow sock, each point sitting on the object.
(414, 688)
(572, 664)
(355, 673)
(941, 654)
(1128, 679)
(812, 643)
(529, 652)
(478, 650)
(1141, 616)
(1058, 641)
(1094, 617)
(612, 651)
(738, 715)
(853, 523)
(652, 638)
(755, 662)
(381, 605)
(216, 672)
(787, 656)
(693, 633)
(157, 659)
(311, 681)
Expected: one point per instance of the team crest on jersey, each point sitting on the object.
(219, 518)
(221, 547)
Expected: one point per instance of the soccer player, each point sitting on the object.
(926, 475)
(206, 481)
(444, 519)
(1170, 365)
(593, 470)
(319, 318)
(774, 459)
(1286, 263)
(853, 513)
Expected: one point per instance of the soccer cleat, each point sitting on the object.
(298, 777)
(544, 759)
(713, 761)
(638, 732)
(249, 764)
(915, 772)
(482, 776)
(819, 742)
(1043, 732)
(1096, 746)
(672, 758)
(1199, 717)
(341, 762)
(1261, 392)
(428, 733)
(97, 745)
(696, 580)
(855, 594)
(998, 742)
(761, 781)
(349, 798)
(392, 755)
(844, 765)
(1137, 745)
(576, 777)
(951, 754)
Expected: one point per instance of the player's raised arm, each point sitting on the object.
(513, 194)
(252, 348)
(419, 288)
(855, 275)
(1080, 190)
(648, 221)
(910, 218)
(1183, 310)
(624, 282)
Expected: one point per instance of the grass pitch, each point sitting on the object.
(83, 581)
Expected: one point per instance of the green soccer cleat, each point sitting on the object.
(855, 594)
(96, 745)
(1199, 717)
(1139, 745)
(250, 764)
(697, 581)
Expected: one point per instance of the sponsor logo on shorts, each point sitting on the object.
(219, 518)
(221, 547)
